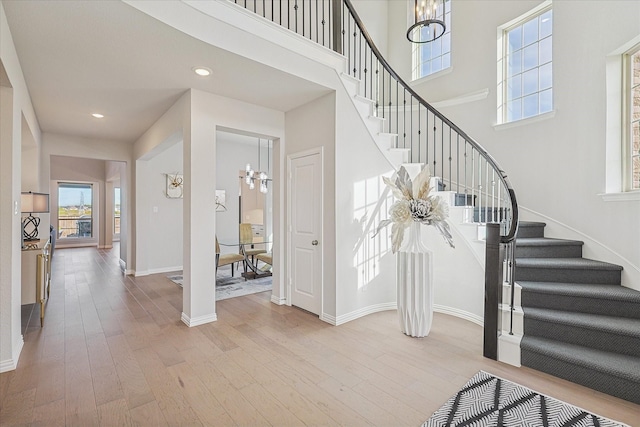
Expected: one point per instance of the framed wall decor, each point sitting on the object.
(174, 185)
(221, 201)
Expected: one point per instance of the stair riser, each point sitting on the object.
(583, 336)
(518, 321)
(364, 107)
(506, 295)
(581, 304)
(541, 274)
(530, 231)
(623, 388)
(551, 251)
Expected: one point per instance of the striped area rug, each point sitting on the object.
(487, 400)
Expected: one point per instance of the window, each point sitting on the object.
(75, 218)
(431, 57)
(631, 149)
(116, 212)
(527, 84)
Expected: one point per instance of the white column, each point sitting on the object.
(10, 253)
(199, 160)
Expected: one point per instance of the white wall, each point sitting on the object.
(196, 117)
(85, 148)
(373, 14)
(162, 215)
(556, 166)
(310, 126)
(15, 104)
(71, 169)
(365, 267)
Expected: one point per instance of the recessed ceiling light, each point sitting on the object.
(98, 115)
(202, 71)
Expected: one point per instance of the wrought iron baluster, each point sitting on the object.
(360, 52)
(450, 173)
(458, 163)
(390, 103)
(404, 119)
(420, 131)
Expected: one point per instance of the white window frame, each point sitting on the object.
(616, 141)
(416, 51)
(502, 99)
(627, 120)
(116, 236)
(94, 211)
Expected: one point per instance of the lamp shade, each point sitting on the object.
(34, 202)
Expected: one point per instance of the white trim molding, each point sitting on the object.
(197, 321)
(539, 118)
(12, 364)
(462, 99)
(278, 300)
(356, 314)
(158, 271)
(628, 196)
(474, 318)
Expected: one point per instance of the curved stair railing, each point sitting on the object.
(462, 164)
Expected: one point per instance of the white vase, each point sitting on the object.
(414, 273)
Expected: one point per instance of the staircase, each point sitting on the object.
(580, 324)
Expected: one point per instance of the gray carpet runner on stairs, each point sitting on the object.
(580, 324)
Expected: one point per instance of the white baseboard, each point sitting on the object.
(158, 271)
(197, 321)
(278, 300)
(123, 268)
(328, 318)
(393, 306)
(12, 364)
(356, 314)
(474, 318)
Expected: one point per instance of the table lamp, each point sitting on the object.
(32, 203)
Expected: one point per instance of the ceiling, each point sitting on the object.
(81, 57)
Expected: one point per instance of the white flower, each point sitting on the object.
(401, 213)
(414, 204)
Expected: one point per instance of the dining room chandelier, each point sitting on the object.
(251, 175)
(429, 22)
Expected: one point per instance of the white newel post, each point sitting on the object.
(414, 273)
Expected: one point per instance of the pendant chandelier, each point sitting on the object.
(251, 175)
(428, 21)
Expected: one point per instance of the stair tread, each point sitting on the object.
(620, 365)
(611, 324)
(611, 292)
(546, 241)
(531, 224)
(567, 263)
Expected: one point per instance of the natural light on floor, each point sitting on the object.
(370, 206)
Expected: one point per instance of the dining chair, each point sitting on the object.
(246, 239)
(226, 259)
(267, 258)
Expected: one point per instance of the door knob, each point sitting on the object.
(314, 243)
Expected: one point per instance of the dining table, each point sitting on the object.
(254, 272)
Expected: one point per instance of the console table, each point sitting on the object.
(36, 274)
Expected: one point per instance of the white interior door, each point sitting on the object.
(305, 249)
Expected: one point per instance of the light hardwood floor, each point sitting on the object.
(113, 352)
